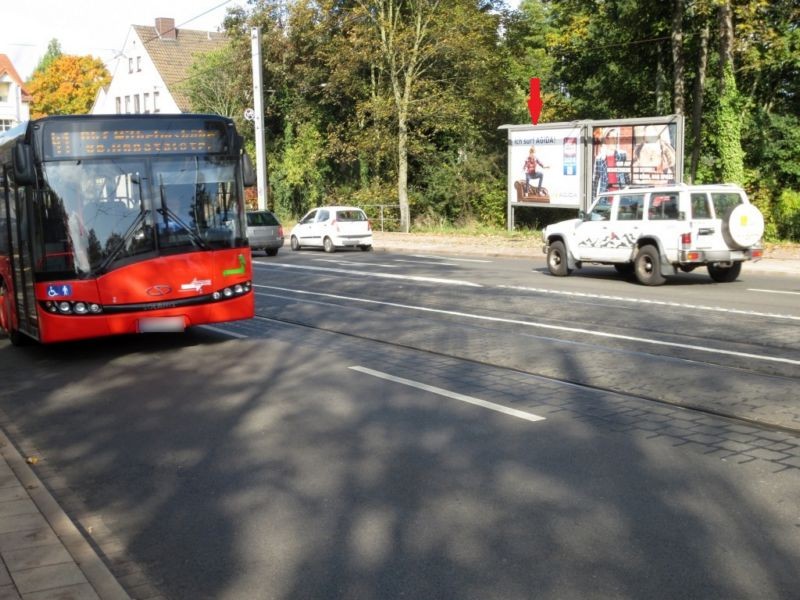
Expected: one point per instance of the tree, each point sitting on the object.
(53, 52)
(67, 86)
(216, 85)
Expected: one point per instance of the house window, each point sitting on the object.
(136, 107)
(146, 102)
(6, 124)
(127, 105)
(130, 65)
(138, 63)
(4, 91)
(118, 101)
(156, 107)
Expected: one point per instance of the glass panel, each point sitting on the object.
(700, 208)
(197, 203)
(92, 215)
(601, 211)
(723, 201)
(261, 219)
(631, 208)
(663, 207)
(350, 215)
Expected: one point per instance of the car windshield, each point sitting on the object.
(350, 215)
(261, 219)
(94, 215)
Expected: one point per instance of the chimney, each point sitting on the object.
(165, 28)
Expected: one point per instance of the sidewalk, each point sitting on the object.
(44, 556)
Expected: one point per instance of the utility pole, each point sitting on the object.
(258, 106)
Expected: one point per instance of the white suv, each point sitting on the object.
(655, 231)
(333, 227)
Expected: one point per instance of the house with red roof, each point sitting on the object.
(14, 99)
(151, 67)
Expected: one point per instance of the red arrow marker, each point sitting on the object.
(535, 101)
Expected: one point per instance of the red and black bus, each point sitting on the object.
(122, 224)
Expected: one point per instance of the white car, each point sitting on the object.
(656, 231)
(333, 227)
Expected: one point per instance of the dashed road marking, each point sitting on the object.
(519, 414)
(773, 291)
(442, 281)
(539, 325)
(650, 302)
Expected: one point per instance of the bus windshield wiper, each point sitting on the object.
(129, 233)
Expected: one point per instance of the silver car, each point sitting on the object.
(264, 232)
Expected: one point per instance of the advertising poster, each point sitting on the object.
(633, 155)
(545, 167)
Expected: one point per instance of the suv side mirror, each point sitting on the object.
(22, 159)
(249, 178)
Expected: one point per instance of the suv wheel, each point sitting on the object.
(557, 260)
(647, 266)
(725, 274)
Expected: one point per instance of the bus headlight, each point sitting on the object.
(65, 307)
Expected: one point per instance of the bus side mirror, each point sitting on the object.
(248, 172)
(24, 172)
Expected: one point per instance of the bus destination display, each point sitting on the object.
(115, 142)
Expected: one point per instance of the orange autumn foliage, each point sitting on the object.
(68, 86)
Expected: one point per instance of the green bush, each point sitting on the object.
(787, 211)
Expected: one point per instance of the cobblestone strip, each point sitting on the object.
(689, 429)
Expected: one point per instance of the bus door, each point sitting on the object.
(22, 260)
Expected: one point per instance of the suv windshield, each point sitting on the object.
(97, 214)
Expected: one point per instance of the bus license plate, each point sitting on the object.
(161, 324)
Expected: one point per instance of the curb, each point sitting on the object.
(83, 554)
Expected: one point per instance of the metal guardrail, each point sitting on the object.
(383, 216)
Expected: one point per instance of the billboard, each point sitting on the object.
(565, 165)
(633, 155)
(545, 166)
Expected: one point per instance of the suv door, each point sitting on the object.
(593, 240)
(625, 226)
(706, 230)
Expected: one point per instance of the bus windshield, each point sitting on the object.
(102, 213)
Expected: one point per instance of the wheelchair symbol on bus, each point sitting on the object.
(54, 291)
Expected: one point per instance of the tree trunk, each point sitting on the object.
(725, 41)
(677, 56)
(402, 172)
(697, 102)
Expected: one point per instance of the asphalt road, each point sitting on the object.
(394, 425)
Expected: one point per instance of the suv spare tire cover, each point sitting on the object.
(743, 226)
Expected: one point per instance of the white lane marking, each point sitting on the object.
(535, 324)
(653, 302)
(519, 414)
(425, 262)
(225, 332)
(474, 260)
(382, 275)
(352, 263)
(772, 291)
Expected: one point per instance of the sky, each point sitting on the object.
(96, 27)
